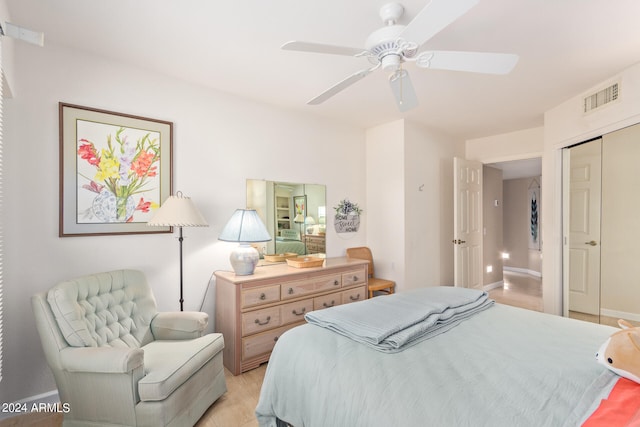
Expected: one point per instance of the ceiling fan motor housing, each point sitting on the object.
(383, 43)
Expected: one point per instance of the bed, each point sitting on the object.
(289, 241)
(501, 366)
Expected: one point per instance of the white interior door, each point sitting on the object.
(467, 237)
(583, 228)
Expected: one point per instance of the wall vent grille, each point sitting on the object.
(601, 98)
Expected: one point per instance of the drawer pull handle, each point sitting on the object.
(290, 291)
(258, 322)
(336, 283)
(263, 296)
(329, 305)
(355, 278)
(356, 298)
(304, 309)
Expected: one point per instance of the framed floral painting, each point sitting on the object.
(115, 171)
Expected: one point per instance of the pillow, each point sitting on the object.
(290, 234)
(621, 352)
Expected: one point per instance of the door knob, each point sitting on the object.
(458, 242)
(592, 243)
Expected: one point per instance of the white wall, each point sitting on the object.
(410, 203)
(385, 214)
(522, 144)
(219, 142)
(428, 190)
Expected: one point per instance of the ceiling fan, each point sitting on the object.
(20, 33)
(392, 45)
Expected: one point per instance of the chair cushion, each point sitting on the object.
(106, 309)
(169, 364)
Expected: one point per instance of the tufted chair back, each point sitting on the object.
(107, 309)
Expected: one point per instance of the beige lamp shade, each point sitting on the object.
(178, 211)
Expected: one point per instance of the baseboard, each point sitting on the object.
(494, 285)
(523, 271)
(616, 314)
(45, 402)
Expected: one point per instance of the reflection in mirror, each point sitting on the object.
(295, 216)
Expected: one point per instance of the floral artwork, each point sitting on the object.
(117, 173)
(299, 205)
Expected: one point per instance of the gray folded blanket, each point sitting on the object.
(395, 322)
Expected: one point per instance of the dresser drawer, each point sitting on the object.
(256, 296)
(327, 301)
(295, 311)
(353, 295)
(262, 343)
(353, 277)
(309, 286)
(260, 320)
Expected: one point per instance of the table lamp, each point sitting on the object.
(244, 227)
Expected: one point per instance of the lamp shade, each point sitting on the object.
(178, 211)
(299, 219)
(244, 226)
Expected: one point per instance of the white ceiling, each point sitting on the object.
(565, 47)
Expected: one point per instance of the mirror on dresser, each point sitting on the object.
(294, 214)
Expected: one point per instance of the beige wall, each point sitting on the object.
(516, 227)
(492, 214)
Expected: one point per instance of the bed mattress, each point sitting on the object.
(505, 366)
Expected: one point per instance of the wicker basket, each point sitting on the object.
(280, 257)
(305, 262)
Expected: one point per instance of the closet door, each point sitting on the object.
(584, 228)
(620, 264)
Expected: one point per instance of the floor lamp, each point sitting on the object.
(178, 211)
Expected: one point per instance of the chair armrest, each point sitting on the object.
(101, 359)
(179, 325)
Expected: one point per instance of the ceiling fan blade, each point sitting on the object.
(323, 48)
(24, 34)
(403, 90)
(475, 62)
(436, 15)
(339, 87)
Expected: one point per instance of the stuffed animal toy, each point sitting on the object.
(621, 352)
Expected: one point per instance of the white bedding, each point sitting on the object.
(503, 367)
(400, 320)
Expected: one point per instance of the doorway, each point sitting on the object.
(512, 230)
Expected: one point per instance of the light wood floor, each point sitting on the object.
(236, 407)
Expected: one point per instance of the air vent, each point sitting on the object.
(601, 98)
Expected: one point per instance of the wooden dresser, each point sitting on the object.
(315, 243)
(253, 311)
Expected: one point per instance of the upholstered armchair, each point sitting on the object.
(118, 361)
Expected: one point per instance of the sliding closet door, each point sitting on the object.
(621, 225)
